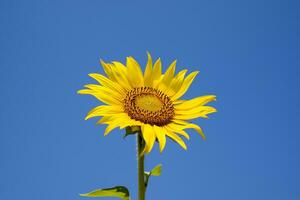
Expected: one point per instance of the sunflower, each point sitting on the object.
(148, 101)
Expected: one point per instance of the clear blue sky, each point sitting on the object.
(247, 53)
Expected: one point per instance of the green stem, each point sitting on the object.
(140, 159)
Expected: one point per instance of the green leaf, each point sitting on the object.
(156, 171)
(118, 191)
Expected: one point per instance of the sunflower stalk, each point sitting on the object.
(140, 160)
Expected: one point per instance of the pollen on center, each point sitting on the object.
(149, 102)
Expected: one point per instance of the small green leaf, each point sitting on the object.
(156, 171)
(118, 191)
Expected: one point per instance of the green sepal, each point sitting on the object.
(131, 130)
(118, 191)
(156, 171)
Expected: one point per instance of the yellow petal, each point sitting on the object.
(121, 120)
(161, 136)
(180, 122)
(176, 138)
(177, 128)
(184, 134)
(201, 111)
(120, 67)
(117, 72)
(190, 125)
(127, 121)
(107, 83)
(170, 72)
(124, 120)
(104, 90)
(148, 72)
(197, 128)
(156, 73)
(111, 126)
(149, 137)
(107, 69)
(176, 83)
(101, 96)
(196, 102)
(104, 120)
(185, 85)
(103, 110)
(120, 75)
(164, 84)
(178, 101)
(135, 75)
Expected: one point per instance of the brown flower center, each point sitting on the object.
(149, 105)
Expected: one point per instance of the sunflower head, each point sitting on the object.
(149, 106)
(150, 100)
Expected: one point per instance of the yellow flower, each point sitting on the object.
(149, 100)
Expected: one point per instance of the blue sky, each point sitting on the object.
(247, 53)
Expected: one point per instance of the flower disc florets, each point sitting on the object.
(149, 105)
